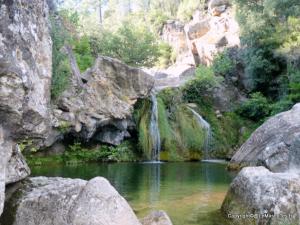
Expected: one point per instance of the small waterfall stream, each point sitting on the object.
(203, 123)
(154, 130)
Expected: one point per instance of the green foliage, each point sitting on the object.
(165, 55)
(270, 35)
(60, 65)
(83, 53)
(76, 153)
(256, 108)
(186, 9)
(261, 68)
(223, 64)
(189, 133)
(134, 45)
(142, 118)
(198, 89)
(27, 145)
(294, 85)
(166, 133)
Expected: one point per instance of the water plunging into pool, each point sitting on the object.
(154, 130)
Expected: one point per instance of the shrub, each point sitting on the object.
(83, 53)
(134, 45)
(165, 55)
(223, 64)
(256, 108)
(198, 89)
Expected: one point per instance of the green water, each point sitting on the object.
(191, 193)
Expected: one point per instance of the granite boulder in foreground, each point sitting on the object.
(258, 196)
(62, 201)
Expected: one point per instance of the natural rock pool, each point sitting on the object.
(191, 193)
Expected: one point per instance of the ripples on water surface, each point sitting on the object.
(191, 193)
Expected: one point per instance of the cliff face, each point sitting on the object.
(97, 104)
(206, 35)
(25, 78)
(25, 68)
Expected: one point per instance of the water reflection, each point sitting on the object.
(187, 191)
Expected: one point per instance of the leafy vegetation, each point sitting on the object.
(134, 45)
(76, 153)
(60, 65)
(199, 88)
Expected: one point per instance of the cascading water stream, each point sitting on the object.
(154, 130)
(203, 123)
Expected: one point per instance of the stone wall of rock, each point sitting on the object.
(25, 68)
(275, 144)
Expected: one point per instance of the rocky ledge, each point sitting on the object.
(62, 201)
(101, 106)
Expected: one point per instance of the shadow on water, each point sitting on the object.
(191, 193)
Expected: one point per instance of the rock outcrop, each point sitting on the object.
(174, 76)
(101, 107)
(258, 196)
(275, 144)
(157, 218)
(25, 69)
(61, 201)
(206, 35)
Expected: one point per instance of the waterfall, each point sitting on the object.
(203, 123)
(154, 130)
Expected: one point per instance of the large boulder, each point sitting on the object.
(61, 201)
(102, 105)
(25, 68)
(258, 196)
(275, 144)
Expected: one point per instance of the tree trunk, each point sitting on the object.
(100, 13)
